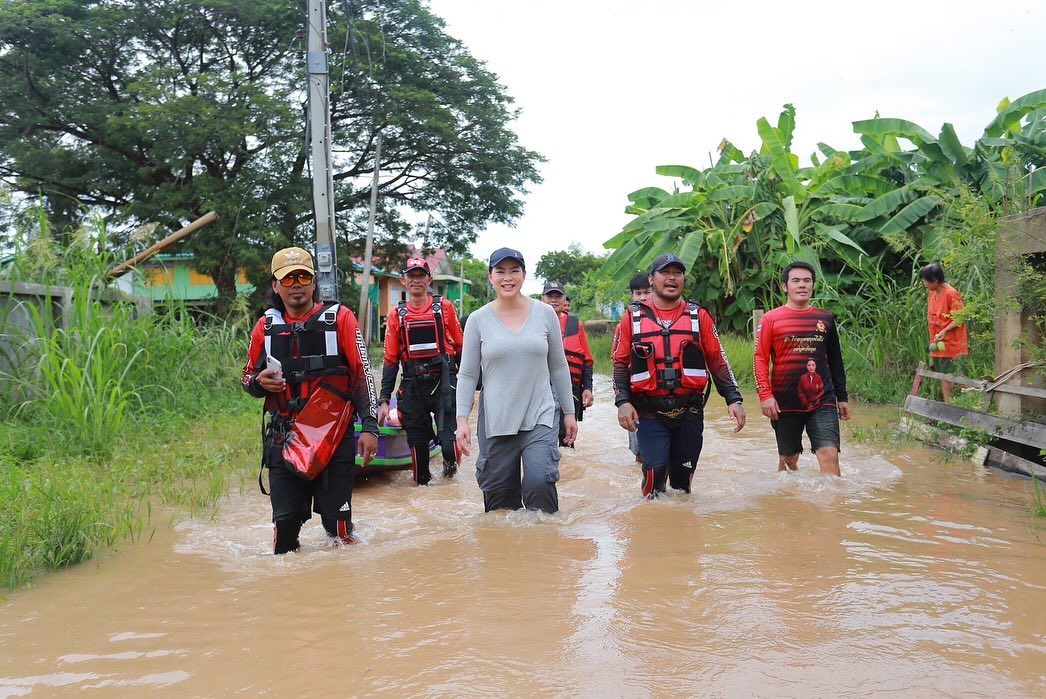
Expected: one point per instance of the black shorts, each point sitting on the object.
(328, 495)
(822, 427)
(945, 365)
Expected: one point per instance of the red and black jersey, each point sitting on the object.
(786, 342)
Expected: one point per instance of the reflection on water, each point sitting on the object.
(910, 576)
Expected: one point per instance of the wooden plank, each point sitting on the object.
(1031, 433)
(1014, 464)
(954, 378)
(918, 379)
(965, 381)
(1020, 390)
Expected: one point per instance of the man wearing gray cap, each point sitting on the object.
(664, 354)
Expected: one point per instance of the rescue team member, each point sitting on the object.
(422, 336)
(321, 352)
(788, 340)
(639, 289)
(664, 354)
(942, 303)
(575, 346)
(515, 341)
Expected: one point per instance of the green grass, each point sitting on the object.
(111, 414)
(1039, 508)
(60, 510)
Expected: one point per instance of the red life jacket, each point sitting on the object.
(667, 361)
(572, 347)
(306, 350)
(423, 345)
(311, 420)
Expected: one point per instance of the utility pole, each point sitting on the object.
(320, 149)
(369, 248)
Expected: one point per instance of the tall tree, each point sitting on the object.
(159, 110)
(568, 266)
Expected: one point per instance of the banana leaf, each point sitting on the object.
(909, 215)
(952, 147)
(1014, 112)
(691, 175)
(732, 193)
(893, 127)
(887, 203)
(791, 218)
(836, 234)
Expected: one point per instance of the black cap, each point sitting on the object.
(665, 261)
(502, 254)
(553, 287)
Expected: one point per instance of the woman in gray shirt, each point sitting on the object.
(516, 344)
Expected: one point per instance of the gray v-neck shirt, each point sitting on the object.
(520, 371)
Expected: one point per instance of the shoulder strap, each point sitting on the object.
(572, 325)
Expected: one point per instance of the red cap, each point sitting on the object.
(416, 263)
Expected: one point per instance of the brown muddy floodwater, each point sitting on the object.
(911, 576)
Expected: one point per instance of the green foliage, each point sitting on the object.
(1039, 509)
(738, 222)
(568, 267)
(158, 111)
(481, 292)
(866, 219)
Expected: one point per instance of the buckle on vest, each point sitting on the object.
(329, 317)
(298, 326)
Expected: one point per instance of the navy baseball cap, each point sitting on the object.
(502, 254)
(666, 261)
(553, 288)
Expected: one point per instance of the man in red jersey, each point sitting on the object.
(665, 352)
(789, 338)
(424, 337)
(579, 356)
(302, 349)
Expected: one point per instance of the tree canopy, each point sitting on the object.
(569, 266)
(160, 110)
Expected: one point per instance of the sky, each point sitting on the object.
(608, 90)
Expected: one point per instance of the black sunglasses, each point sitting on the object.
(303, 278)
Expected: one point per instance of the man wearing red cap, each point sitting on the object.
(424, 337)
(307, 358)
(665, 353)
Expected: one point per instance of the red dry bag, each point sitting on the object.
(317, 431)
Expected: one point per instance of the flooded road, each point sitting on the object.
(911, 576)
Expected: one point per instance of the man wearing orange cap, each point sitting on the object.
(424, 337)
(308, 361)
